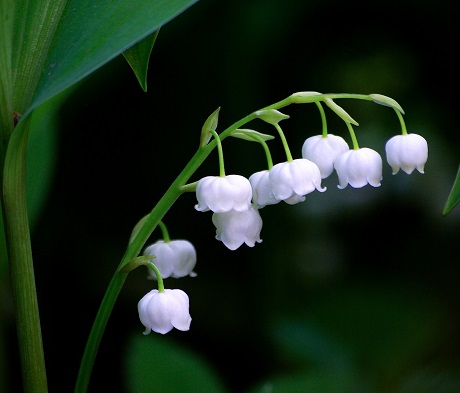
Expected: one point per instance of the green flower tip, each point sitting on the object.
(386, 101)
(303, 97)
(250, 135)
(339, 111)
(209, 125)
(271, 116)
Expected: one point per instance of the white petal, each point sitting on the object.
(298, 177)
(235, 228)
(222, 194)
(161, 311)
(262, 190)
(407, 152)
(358, 168)
(323, 151)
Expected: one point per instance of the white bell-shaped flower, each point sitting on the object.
(162, 311)
(262, 190)
(223, 193)
(175, 258)
(235, 228)
(407, 152)
(292, 180)
(323, 150)
(359, 167)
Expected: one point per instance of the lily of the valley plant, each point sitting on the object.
(235, 201)
(45, 48)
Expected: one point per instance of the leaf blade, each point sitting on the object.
(138, 57)
(88, 38)
(454, 196)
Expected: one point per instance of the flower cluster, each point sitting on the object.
(161, 310)
(235, 200)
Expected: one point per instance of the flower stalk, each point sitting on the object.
(153, 219)
(19, 248)
(134, 248)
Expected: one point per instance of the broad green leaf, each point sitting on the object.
(35, 25)
(138, 57)
(3, 252)
(301, 343)
(385, 329)
(154, 363)
(6, 86)
(61, 42)
(454, 196)
(315, 381)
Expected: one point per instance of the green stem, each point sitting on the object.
(164, 232)
(151, 222)
(21, 265)
(285, 144)
(161, 287)
(266, 149)
(134, 248)
(220, 152)
(353, 136)
(401, 120)
(298, 99)
(323, 118)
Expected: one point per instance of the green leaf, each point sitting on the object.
(6, 86)
(157, 364)
(454, 196)
(138, 57)
(35, 26)
(340, 111)
(387, 329)
(314, 382)
(68, 40)
(302, 343)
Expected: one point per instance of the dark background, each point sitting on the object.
(366, 275)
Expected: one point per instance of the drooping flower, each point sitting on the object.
(223, 193)
(163, 311)
(407, 152)
(262, 190)
(323, 150)
(292, 180)
(175, 258)
(359, 167)
(235, 228)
